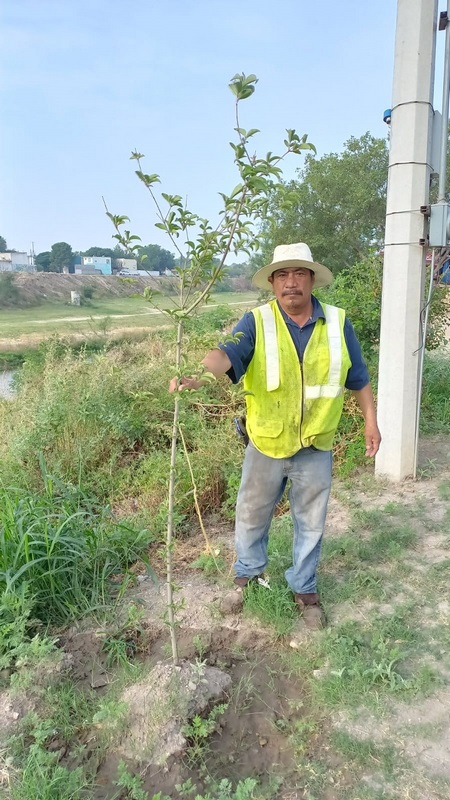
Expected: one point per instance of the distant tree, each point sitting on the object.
(154, 257)
(61, 256)
(237, 270)
(3, 245)
(106, 252)
(337, 205)
(119, 252)
(42, 261)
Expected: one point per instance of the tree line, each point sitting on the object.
(336, 203)
(61, 256)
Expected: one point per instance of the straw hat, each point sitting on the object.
(292, 255)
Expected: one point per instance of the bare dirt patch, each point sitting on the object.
(250, 738)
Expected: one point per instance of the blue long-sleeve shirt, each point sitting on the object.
(241, 352)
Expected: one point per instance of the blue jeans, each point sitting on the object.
(262, 485)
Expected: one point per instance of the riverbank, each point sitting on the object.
(23, 330)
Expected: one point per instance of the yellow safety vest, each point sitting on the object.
(291, 405)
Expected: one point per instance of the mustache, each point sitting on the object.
(292, 292)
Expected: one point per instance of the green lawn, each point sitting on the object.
(121, 311)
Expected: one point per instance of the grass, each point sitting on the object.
(435, 411)
(381, 653)
(119, 312)
(355, 667)
(65, 715)
(101, 423)
(63, 550)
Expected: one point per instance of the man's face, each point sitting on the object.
(292, 286)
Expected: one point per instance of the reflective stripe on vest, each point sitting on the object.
(332, 388)
(271, 348)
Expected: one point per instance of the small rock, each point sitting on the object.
(231, 602)
(263, 741)
(99, 680)
(320, 673)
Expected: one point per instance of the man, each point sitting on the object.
(296, 356)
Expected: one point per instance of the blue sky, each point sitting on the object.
(84, 82)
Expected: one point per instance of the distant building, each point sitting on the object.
(101, 264)
(126, 263)
(16, 262)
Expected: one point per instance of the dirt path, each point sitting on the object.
(142, 312)
(12, 344)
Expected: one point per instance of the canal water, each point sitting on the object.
(6, 379)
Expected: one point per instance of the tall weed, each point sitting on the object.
(104, 422)
(62, 550)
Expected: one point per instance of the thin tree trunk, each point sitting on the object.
(169, 538)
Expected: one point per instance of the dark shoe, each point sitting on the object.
(312, 613)
(242, 582)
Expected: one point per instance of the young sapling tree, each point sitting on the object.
(202, 249)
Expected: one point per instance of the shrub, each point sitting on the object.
(103, 421)
(60, 552)
(87, 293)
(435, 412)
(9, 292)
(358, 290)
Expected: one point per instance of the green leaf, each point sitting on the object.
(117, 219)
(243, 86)
(172, 199)
(238, 188)
(149, 180)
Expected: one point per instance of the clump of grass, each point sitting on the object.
(435, 410)
(62, 551)
(274, 606)
(354, 550)
(368, 661)
(65, 713)
(42, 776)
(362, 752)
(211, 564)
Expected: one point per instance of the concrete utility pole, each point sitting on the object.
(404, 252)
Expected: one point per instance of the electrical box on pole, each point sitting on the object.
(439, 235)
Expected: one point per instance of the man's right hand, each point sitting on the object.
(216, 362)
(178, 384)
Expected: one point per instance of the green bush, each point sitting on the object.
(87, 293)
(435, 412)
(60, 553)
(9, 292)
(103, 421)
(358, 291)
